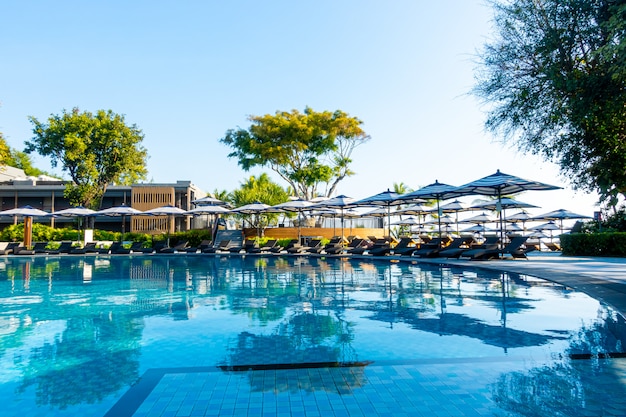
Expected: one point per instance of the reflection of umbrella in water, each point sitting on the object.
(27, 212)
(119, 211)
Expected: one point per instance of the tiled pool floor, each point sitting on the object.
(483, 387)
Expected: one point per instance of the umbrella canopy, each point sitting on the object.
(505, 203)
(545, 226)
(201, 210)
(209, 201)
(166, 211)
(340, 202)
(409, 221)
(119, 211)
(481, 218)
(298, 205)
(438, 191)
(26, 211)
(522, 216)
(500, 184)
(252, 208)
(379, 212)
(78, 211)
(415, 210)
(385, 199)
(560, 215)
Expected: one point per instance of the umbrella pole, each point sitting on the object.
(439, 224)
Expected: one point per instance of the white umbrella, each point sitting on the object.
(297, 205)
(209, 201)
(169, 211)
(561, 214)
(26, 212)
(385, 199)
(253, 208)
(119, 211)
(340, 202)
(203, 210)
(78, 211)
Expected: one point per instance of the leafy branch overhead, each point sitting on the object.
(96, 150)
(554, 78)
(307, 149)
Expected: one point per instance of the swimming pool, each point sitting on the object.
(233, 335)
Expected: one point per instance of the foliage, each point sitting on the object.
(95, 149)
(5, 151)
(306, 149)
(555, 79)
(594, 244)
(615, 222)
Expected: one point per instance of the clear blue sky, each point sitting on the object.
(185, 72)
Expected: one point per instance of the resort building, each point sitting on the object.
(46, 193)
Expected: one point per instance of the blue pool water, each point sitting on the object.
(231, 335)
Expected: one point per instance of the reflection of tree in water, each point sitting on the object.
(568, 386)
(92, 359)
(305, 341)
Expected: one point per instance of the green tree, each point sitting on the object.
(306, 149)
(97, 150)
(5, 151)
(555, 81)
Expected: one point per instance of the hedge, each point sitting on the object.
(594, 244)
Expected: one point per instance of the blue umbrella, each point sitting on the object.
(385, 199)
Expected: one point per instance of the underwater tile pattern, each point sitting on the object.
(483, 388)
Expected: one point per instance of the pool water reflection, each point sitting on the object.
(77, 332)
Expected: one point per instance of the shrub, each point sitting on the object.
(594, 244)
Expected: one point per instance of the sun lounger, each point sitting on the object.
(553, 246)
(22, 250)
(8, 248)
(40, 247)
(174, 249)
(202, 246)
(314, 246)
(513, 248)
(138, 247)
(380, 249)
(267, 247)
(247, 246)
(405, 247)
(221, 246)
(469, 244)
(90, 247)
(65, 247)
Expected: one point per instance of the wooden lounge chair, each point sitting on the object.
(553, 246)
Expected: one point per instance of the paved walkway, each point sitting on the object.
(601, 278)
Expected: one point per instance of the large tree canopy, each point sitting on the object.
(97, 150)
(555, 81)
(306, 149)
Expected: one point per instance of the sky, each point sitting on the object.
(185, 72)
